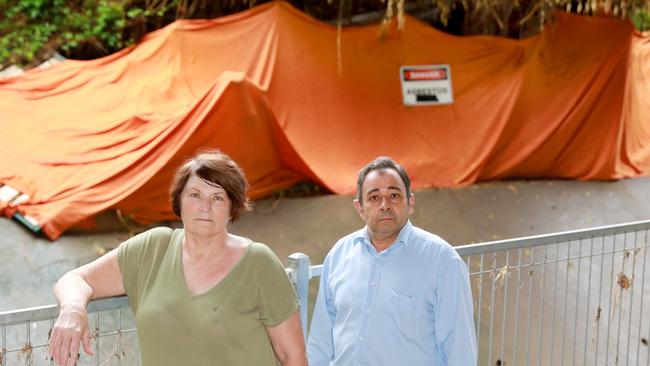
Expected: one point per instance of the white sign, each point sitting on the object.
(426, 84)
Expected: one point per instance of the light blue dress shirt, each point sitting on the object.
(409, 305)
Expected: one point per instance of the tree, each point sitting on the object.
(34, 30)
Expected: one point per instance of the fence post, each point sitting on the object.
(299, 262)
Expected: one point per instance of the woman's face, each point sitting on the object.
(205, 207)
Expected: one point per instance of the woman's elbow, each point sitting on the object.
(294, 357)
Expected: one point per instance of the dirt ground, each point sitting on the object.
(30, 264)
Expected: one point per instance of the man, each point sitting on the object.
(391, 294)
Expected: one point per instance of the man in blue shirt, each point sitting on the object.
(391, 294)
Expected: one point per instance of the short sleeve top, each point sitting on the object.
(222, 326)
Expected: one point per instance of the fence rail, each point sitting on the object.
(571, 298)
(24, 334)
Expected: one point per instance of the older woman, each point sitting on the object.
(200, 295)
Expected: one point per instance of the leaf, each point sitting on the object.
(134, 13)
(623, 281)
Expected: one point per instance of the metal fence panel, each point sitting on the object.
(113, 338)
(572, 298)
(575, 298)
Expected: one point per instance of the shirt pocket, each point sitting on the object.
(406, 311)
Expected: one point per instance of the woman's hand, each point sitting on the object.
(70, 328)
(99, 278)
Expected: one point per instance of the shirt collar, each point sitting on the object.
(363, 236)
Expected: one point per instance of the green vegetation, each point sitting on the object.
(641, 19)
(31, 31)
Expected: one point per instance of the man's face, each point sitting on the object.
(385, 208)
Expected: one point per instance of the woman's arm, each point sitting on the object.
(100, 278)
(288, 341)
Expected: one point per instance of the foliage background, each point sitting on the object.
(32, 31)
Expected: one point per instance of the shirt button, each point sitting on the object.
(367, 311)
(372, 283)
(361, 338)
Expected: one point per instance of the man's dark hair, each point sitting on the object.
(382, 163)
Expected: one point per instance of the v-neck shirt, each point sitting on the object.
(224, 325)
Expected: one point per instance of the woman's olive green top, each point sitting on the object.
(222, 326)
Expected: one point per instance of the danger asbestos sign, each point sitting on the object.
(426, 84)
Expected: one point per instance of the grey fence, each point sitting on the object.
(571, 298)
(24, 334)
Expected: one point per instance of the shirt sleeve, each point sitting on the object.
(455, 333)
(320, 343)
(135, 262)
(277, 298)
(129, 257)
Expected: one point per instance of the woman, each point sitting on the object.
(200, 295)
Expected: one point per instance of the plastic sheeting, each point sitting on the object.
(270, 87)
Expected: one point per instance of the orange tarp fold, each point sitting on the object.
(271, 88)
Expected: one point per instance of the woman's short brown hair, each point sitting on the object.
(215, 167)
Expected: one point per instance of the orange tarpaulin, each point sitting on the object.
(270, 88)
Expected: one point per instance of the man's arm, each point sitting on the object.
(320, 345)
(455, 333)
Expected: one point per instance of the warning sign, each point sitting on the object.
(426, 84)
